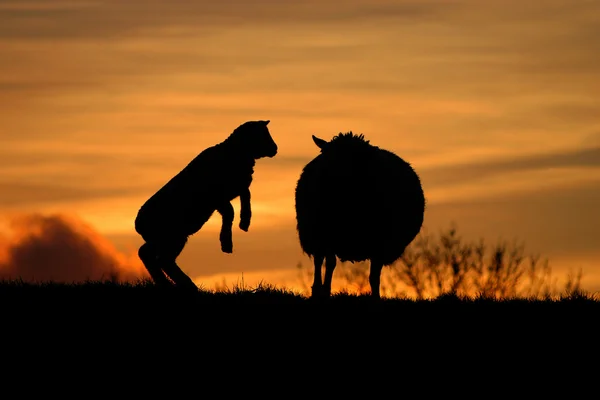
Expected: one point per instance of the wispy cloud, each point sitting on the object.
(113, 18)
(31, 195)
(468, 172)
(555, 222)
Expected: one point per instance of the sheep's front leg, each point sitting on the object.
(374, 278)
(226, 211)
(330, 262)
(317, 286)
(245, 210)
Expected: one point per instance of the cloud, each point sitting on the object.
(500, 49)
(33, 177)
(561, 222)
(592, 139)
(449, 175)
(36, 194)
(62, 249)
(115, 18)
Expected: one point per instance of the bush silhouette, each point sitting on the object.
(446, 265)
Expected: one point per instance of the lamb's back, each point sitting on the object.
(190, 197)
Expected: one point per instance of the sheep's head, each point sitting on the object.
(255, 138)
(341, 141)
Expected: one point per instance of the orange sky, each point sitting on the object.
(494, 103)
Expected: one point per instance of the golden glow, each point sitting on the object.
(96, 114)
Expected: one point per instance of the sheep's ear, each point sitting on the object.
(319, 142)
(266, 122)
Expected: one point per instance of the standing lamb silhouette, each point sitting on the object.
(207, 184)
(357, 202)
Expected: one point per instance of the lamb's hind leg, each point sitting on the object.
(168, 255)
(330, 263)
(375, 278)
(317, 286)
(148, 254)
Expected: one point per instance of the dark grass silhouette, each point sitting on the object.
(356, 202)
(150, 321)
(106, 300)
(207, 184)
(267, 332)
(110, 293)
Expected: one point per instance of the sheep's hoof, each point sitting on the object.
(319, 293)
(375, 296)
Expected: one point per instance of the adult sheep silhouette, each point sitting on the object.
(207, 184)
(357, 202)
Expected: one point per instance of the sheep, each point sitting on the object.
(207, 184)
(357, 202)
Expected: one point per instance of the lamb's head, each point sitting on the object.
(254, 137)
(342, 142)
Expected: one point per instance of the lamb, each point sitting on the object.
(357, 202)
(207, 184)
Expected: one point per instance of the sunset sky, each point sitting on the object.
(495, 103)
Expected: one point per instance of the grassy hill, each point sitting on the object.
(137, 325)
(88, 300)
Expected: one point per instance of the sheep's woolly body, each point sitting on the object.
(358, 202)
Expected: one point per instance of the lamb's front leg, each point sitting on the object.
(226, 211)
(245, 210)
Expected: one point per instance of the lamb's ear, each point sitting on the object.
(266, 122)
(319, 142)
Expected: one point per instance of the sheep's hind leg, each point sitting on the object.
(148, 255)
(330, 263)
(375, 278)
(168, 256)
(317, 286)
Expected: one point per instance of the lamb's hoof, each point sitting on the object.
(227, 248)
(190, 287)
(244, 222)
(162, 283)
